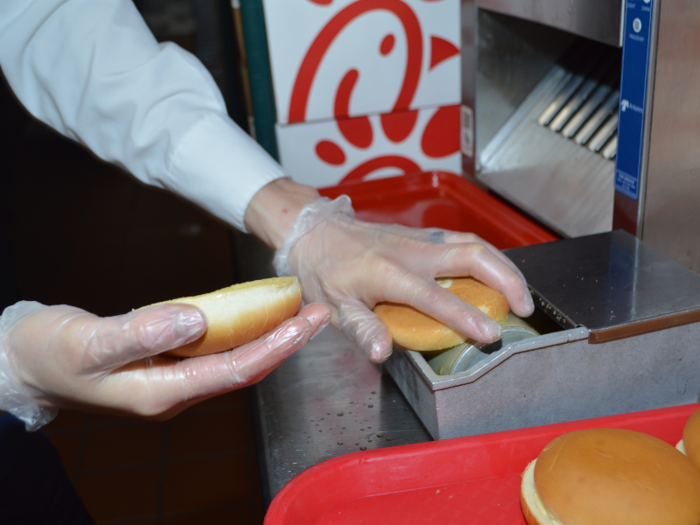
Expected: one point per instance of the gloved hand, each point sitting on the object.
(64, 357)
(352, 265)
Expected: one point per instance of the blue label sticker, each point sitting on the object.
(633, 90)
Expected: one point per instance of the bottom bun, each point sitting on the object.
(240, 313)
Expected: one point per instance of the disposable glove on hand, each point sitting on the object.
(353, 265)
(64, 357)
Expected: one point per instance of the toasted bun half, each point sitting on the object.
(416, 331)
(610, 477)
(240, 313)
(691, 438)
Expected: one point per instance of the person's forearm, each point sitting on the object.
(274, 209)
(95, 73)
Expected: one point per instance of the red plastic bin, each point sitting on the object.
(441, 200)
(474, 480)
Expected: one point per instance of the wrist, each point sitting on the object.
(16, 396)
(273, 210)
(311, 216)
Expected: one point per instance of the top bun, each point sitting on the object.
(416, 331)
(691, 438)
(616, 477)
(240, 313)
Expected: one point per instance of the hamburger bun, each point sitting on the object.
(240, 313)
(415, 330)
(690, 444)
(608, 476)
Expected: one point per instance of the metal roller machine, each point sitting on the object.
(615, 330)
(584, 115)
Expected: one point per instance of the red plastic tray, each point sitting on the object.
(441, 200)
(474, 480)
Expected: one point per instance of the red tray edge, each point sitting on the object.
(364, 193)
(303, 483)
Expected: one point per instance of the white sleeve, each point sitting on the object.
(92, 70)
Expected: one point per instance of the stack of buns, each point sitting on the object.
(414, 330)
(606, 476)
(240, 313)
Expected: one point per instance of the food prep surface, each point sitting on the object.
(325, 401)
(328, 399)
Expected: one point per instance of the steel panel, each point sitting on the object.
(671, 216)
(595, 19)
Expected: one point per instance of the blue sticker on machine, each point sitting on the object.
(633, 90)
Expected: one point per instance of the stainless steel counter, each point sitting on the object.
(324, 401)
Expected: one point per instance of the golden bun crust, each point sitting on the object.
(240, 313)
(616, 477)
(691, 438)
(416, 331)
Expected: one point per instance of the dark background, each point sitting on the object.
(75, 230)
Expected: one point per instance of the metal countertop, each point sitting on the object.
(296, 407)
(324, 401)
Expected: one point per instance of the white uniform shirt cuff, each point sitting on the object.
(219, 167)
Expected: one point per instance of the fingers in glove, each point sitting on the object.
(481, 263)
(464, 254)
(112, 342)
(206, 376)
(465, 238)
(319, 317)
(366, 330)
(440, 236)
(255, 363)
(433, 300)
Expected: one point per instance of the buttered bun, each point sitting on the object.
(240, 313)
(416, 331)
(690, 444)
(610, 477)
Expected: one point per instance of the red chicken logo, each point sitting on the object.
(440, 137)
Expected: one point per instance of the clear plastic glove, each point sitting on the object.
(352, 265)
(64, 357)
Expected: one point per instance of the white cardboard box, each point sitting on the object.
(329, 152)
(333, 58)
